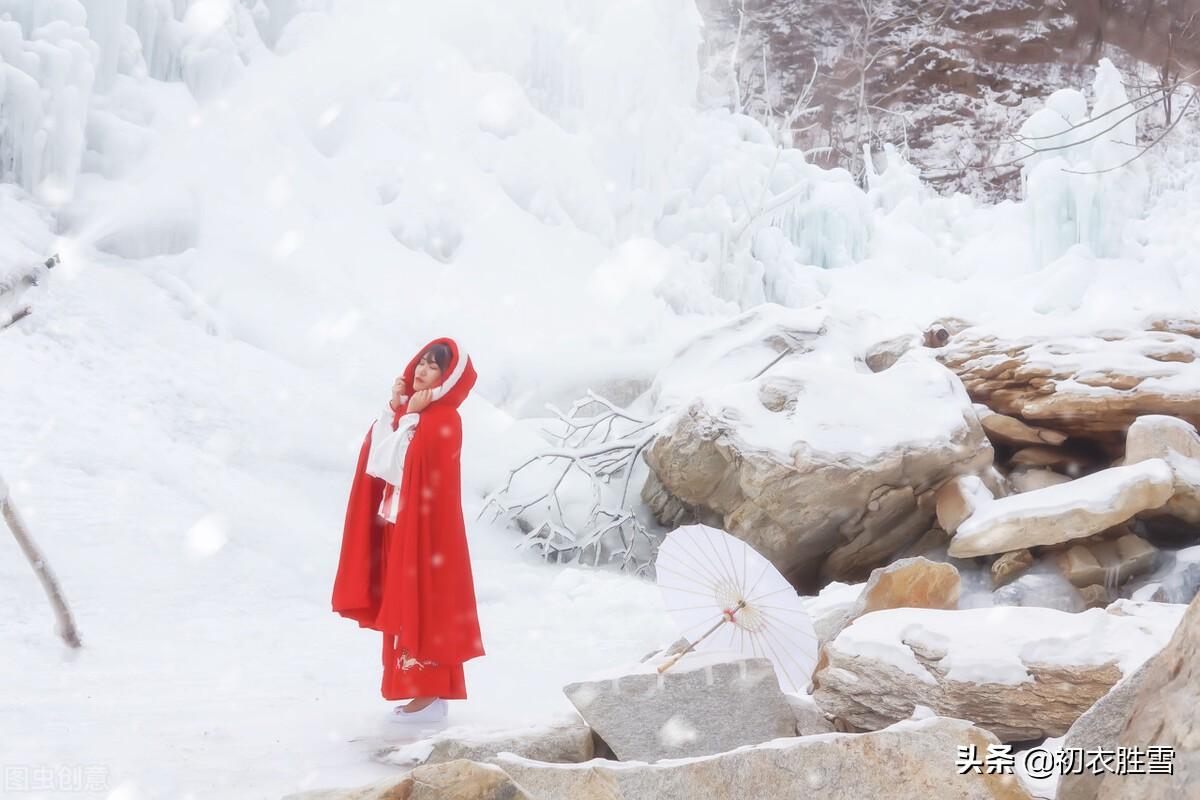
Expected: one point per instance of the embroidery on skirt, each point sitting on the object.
(407, 662)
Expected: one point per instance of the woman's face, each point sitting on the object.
(428, 373)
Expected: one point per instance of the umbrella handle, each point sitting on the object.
(663, 667)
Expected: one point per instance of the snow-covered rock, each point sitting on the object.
(820, 464)
(569, 741)
(899, 763)
(957, 499)
(1093, 383)
(1022, 673)
(1175, 441)
(1067, 511)
(707, 702)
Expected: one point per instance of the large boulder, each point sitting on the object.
(822, 466)
(1164, 715)
(1022, 673)
(569, 740)
(1073, 510)
(1088, 385)
(913, 760)
(705, 703)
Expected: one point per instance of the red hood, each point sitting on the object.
(456, 381)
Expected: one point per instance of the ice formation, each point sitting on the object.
(1080, 183)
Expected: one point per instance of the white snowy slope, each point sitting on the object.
(263, 207)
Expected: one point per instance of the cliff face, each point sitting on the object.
(949, 80)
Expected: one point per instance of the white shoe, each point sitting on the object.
(433, 713)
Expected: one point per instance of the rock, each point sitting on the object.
(810, 719)
(1030, 479)
(1022, 673)
(706, 703)
(1039, 456)
(1010, 430)
(1009, 565)
(1108, 563)
(1164, 714)
(1098, 728)
(825, 489)
(1042, 586)
(1094, 596)
(453, 780)
(900, 763)
(909, 583)
(830, 610)
(958, 499)
(884, 354)
(1052, 381)
(566, 741)
(933, 539)
(1176, 442)
(1182, 582)
(1073, 510)
(1159, 436)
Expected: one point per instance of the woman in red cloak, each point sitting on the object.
(405, 569)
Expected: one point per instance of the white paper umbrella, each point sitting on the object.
(726, 596)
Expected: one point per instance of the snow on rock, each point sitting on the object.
(1092, 381)
(566, 741)
(800, 450)
(957, 499)
(1059, 513)
(1022, 673)
(1176, 442)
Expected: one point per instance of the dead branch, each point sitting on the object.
(66, 624)
(602, 448)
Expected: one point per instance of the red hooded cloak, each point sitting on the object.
(412, 579)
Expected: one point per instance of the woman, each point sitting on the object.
(405, 569)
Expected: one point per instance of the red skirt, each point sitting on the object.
(406, 674)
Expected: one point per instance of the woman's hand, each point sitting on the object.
(399, 390)
(420, 400)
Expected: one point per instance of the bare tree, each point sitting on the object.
(1128, 110)
(868, 26)
(603, 448)
(10, 292)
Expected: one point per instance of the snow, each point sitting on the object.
(264, 207)
(997, 645)
(837, 409)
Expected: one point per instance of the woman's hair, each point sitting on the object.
(440, 353)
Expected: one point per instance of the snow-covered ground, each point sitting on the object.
(264, 207)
